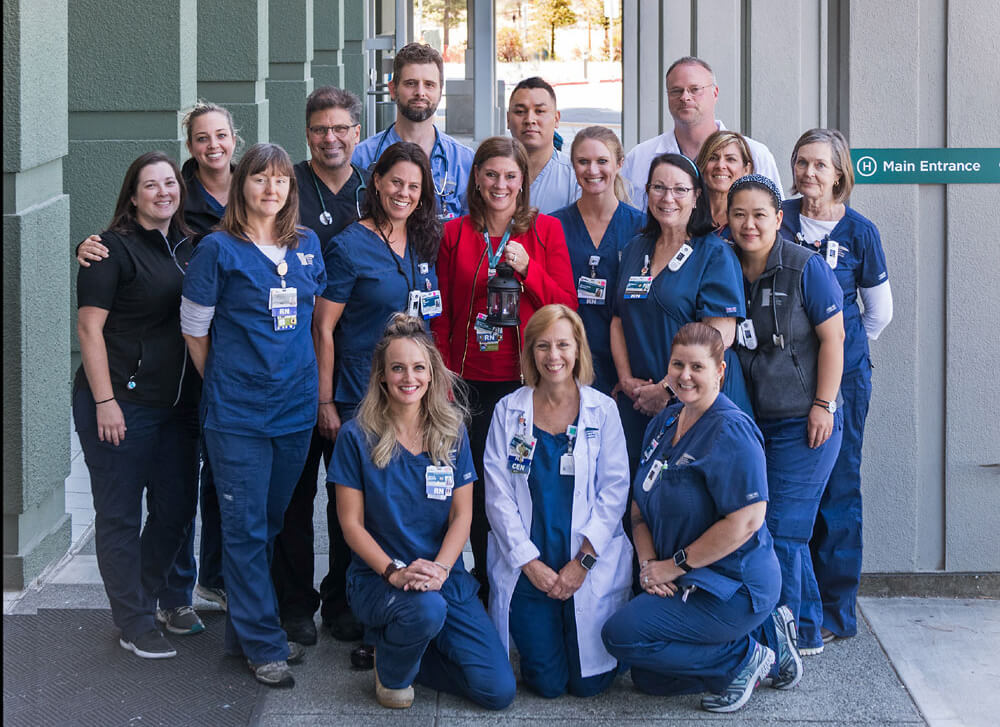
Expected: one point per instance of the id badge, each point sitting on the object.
(649, 450)
(439, 481)
(652, 475)
(285, 318)
(520, 452)
(566, 464)
(413, 303)
(638, 287)
(832, 253)
(490, 273)
(430, 304)
(282, 298)
(592, 291)
(487, 336)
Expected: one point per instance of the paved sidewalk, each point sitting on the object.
(914, 661)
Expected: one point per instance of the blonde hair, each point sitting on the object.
(610, 139)
(544, 317)
(201, 108)
(719, 140)
(442, 408)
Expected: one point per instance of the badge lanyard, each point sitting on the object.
(655, 441)
(412, 281)
(494, 259)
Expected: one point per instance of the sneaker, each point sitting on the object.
(810, 650)
(273, 673)
(393, 698)
(212, 595)
(149, 645)
(789, 661)
(181, 620)
(827, 635)
(300, 629)
(739, 691)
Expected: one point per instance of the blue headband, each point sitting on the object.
(697, 172)
(758, 179)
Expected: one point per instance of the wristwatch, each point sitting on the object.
(394, 566)
(830, 406)
(680, 560)
(587, 560)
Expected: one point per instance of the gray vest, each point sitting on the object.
(781, 371)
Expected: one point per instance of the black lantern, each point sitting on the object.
(503, 296)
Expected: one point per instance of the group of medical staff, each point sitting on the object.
(658, 468)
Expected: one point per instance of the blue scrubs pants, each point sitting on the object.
(796, 477)
(443, 640)
(836, 538)
(159, 454)
(677, 647)
(544, 630)
(208, 570)
(254, 478)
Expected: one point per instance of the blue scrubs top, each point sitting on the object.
(372, 282)
(624, 225)
(555, 186)
(344, 207)
(708, 285)
(716, 468)
(551, 499)
(398, 514)
(451, 165)
(258, 381)
(860, 264)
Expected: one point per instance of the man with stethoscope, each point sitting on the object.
(416, 87)
(331, 193)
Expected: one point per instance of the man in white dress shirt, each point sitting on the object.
(691, 97)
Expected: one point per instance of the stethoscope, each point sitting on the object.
(325, 217)
(436, 150)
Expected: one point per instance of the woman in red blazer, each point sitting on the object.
(501, 226)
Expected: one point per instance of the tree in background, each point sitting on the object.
(445, 13)
(555, 14)
(510, 48)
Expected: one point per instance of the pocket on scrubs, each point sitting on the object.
(238, 395)
(607, 578)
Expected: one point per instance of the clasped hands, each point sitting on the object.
(420, 575)
(657, 577)
(560, 586)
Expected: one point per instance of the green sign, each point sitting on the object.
(926, 166)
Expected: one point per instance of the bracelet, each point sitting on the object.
(105, 401)
(326, 402)
(442, 566)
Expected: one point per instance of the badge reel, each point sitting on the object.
(592, 290)
(638, 286)
(652, 475)
(680, 258)
(439, 482)
(283, 302)
(567, 465)
(832, 253)
(413, 304)
(747, 335)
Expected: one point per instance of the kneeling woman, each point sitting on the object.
(556, 486)
(705, 621)
(404, 475)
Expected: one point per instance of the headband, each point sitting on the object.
(759, 180)
(697, 172)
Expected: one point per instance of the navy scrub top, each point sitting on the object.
(258, 381)
(716, 468)
(343, 206)
(372, 282)
(624, 225)
(398, 514)
(551, 499)
(708, 285)
(860, 264)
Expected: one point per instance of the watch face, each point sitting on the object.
(588, 561)
(680, 558)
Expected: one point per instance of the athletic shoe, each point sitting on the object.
(181, 620)
(149, 645)
(300, 629)
(273, 673)
(827, 635)
(789, 661)
(810, 650)
(213, 595)
(740, 689)
(393, 698)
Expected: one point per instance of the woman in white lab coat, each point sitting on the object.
(556, 486)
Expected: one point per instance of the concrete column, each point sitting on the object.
(233, 62)
(36, 298)
(328, 43)
(289, 82)
(125, 97)
(972, 468)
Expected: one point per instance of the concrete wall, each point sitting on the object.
(889, 73)
(36, 529)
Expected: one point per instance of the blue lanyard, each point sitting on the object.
(494, 259)
(655, 441)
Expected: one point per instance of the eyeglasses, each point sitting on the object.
(693, 91)
(658, 190)
(340, 130)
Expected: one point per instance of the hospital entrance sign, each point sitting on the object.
(926, 166)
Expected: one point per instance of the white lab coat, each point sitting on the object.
(599, 495)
